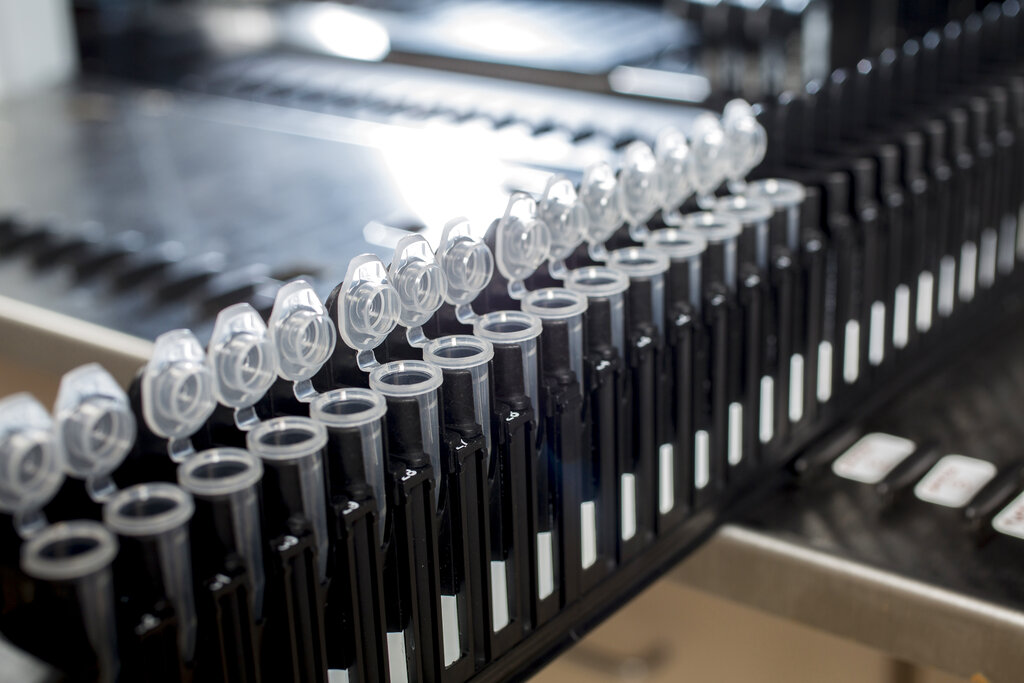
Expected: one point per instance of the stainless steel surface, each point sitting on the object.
(908, 619)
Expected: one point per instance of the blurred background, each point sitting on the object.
(161, 159)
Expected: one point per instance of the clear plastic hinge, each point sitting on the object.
(30, 462)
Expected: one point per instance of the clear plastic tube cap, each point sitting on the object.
(458, 351)
(639, 262)
(599, 194)
(405, 378)
(418, 279)
(286, 438)
(523, 240)
(301, 331)
(639, 183)
(554, 303)
(219, 472)
(241, 356)
(562, 212)
(677, 244)
(782, 193)
(30, 457)
(348, 407)
(148, 509)
(177, 386)
(672, 153)
(68, 550)
(467, 263)
(708, 164)
(747, 210)
(507, 327)
(714, 227)
(368, 307)
(597, 281)
(94, 422)
(745, 138)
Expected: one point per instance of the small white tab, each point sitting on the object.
(588, 534)
(499, 595)
(901, 317)
(735, 449)
(851, 355)
(450, 629)
(987, 258)
(397, 664)
(925, 295)
(954, 480)
(545, 565)
(701, 459)
(796, 387)
(824, 371)
(666, 477)
(1010, 520)
(628, 494)
(876, 345)
(872, 458)
(766, 426)
(947, 286)
(968, 270)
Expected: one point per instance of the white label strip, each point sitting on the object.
(954, 480)
(628, 487)
(337, 676)
(666, 478)
(876, 345)
(796, 387)
(947, 286)
(925, 294)
(588, 534)
(872, 458)
(499, 595)
(824, 371)
(1007, 238)
(968, 270)
(901, 317)
(851, 356)
(701, 459)
(396, 657)
(1010, 520)
(987, 255)
(766, 427)
(735, 452)
(545, 565)
(450, 628)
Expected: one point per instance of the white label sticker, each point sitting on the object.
(701, 459)
(499, 595)
(766, 426)
(901, 317)
(666, 478)
(987, 258)
(925, 293)
(873, 457)
(796, 387)
(968, 270)
(735, 443)
(851, 356)
(1010, 520)
(588, 534)
(876, 345)
(824, 371)
(954, 480)
(628, 495)
(947, 285)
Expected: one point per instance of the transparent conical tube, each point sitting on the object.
(158, 515)
(672, 152)
(302, 335)
(368, 307)
(227, 481)
(522, 242)
(467, 264)
(721, 232)
(639, 188)
(599, 194)
(463, 352)
(604, 287)
(293, 447)
(177, 391)
(415, 380)
(242, 360)
(685, 250)
(363, 410)
(95, 425)
(420, 282)
(518, 329)
(562, 212)
(746, 142)
(557, 306)
(643, 264)
(785, 196)
(708, 157)
(754, 216)
(30, 462)
(78, 555)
